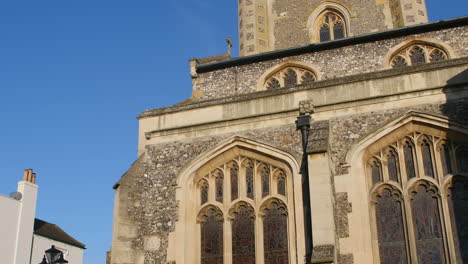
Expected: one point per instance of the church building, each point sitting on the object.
(221, 178)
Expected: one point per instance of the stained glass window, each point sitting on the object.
(249, 179)
(324, 33)
(427, 159)
(243, 236)
(290, 78)
(234, 182)
(273, 84)
(445, 159)
(308, 78)
(281, 184)
(375, 171)
(409, 160)
(438, 55)
(212, 249)
(462, 159)
(417, 55)
(204, 193)
(275, 237)
(390, 228)
(399, 62)
(338, 31)
(427, 227)
(392, 165)
(219, 187)
(458, 206)
(265, 181)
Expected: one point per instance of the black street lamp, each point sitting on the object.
(54, 256)
(303, 124)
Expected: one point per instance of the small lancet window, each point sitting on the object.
(399, 62)
(408, 152)
(265, 173)
(438, 55)
(376, 172)
(234, 182)
(219, 186)
(243, 236)
(308, 77)
(417, 55)
(445, 159)
(392, 165)
(273, 84)
(338, 31)
(204, 192)
(324, 33)
(281, 184)
(290, 78)
(427, 159)
(249, 181)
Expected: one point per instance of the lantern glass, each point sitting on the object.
(52, 254)
(61, 260)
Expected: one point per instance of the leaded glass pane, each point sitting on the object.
(219, 187)
(234, 182)
(308, 78)
(204, 193)
(438, 55)
(399, 62)
(392, 164)
(417, 55)
(243, 236)
(265, 181)
(390, 229)
(458, 205)
(324, 33)
(445, 159)
(375, 171)
(338, 31)
(249, 179)
(212, 238)
(427, 159)
(409, 160)
(427, 227)
(462, 160)
(275, 238)
(290, 78)
(282, 184)
(273, 84)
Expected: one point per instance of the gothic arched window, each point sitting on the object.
(289, 76)
(418, 53)
(331, 25)
(409, 207)
(255, 201)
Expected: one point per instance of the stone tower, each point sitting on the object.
(267, 25)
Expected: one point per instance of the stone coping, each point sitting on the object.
(192, 104)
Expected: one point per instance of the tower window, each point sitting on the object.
(331, 26)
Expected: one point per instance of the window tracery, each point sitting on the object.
(290, 76)
(331, 25)
(418, 54)
(256, 177)
(409, 206)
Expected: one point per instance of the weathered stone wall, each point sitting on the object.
(332, 63)
(290, 28)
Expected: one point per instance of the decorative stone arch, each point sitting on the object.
(451, 54)
(262, 81)
(361, 190)
(337, 6)
(186, 226)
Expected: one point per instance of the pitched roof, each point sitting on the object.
(52, 231)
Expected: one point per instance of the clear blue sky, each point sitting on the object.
(73, 77)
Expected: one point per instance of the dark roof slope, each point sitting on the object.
(52, 231)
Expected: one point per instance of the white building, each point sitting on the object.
(23, 238)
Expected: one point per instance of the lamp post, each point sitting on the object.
(303, 124)
(53, 256)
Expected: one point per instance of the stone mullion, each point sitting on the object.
(384, 166)
(242, 183)
(438, 162)
(211, 188)
(401, 160)
(411, 234)
(226, 187)
(259, 236)
(227, 240)
(450, 245)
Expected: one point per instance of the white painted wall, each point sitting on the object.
(17, 225)
(8, 228)
(73, 254)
